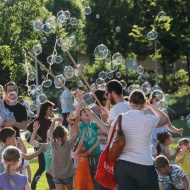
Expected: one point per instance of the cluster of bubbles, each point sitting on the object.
(187, 119)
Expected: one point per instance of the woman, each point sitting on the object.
(134, 169)
(45, 123)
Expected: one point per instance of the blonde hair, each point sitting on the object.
(10, 155)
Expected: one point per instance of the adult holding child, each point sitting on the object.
(134, 168)
(45, 122)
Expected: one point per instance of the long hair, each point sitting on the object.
(10, 155)
(60, 132)
(161, 139)
(44, 108)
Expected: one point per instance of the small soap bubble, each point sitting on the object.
(71, 41)
(44, 40)
(61, 79)
(101, 52)
(87, 10)
(37, 178)
(102, 75)
(110, 75)
(37, 25)
(80, 83)
(37, 49)
(112, 67)
(140, 70)
(31, 76)
(118, 29)
(89, 100)
(42, 98)
(12, 96)
(73, 21)
(118, 75)
(152, 35)
(117, 58)
(97, 16)
(47, 83)
(182, 118)
(69, 72)
(146, 88)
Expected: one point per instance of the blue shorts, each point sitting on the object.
(63, 181)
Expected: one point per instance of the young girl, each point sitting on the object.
(183, 158)
(61, 167)
(83, 178)
(10, 179)
(165, 140)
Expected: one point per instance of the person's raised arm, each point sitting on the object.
(21, 144)
(163, 117)
(79, 96)
(75, 127)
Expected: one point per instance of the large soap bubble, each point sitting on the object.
(112, 66)
(101, 52)
(69, 71)
(117, 58)
(48, 28)
(152, 35)
(42, 98)
(37, 25)
(89, 100)
(146, 88)
(37, 49)
(62, 80)
(12, 96)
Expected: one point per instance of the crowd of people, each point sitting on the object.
(69, 146)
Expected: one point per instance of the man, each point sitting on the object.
(19, 111)
(67, 103)
(114, 93)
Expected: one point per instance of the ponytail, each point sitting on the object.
(12, 183)
(158, 148)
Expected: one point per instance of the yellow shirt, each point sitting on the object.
(185, 162)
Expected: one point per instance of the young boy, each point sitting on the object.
(8, 138)
(171, 177)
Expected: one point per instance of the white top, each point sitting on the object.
(27, 106)
(137, 127)
(24, 166)
(120, 107)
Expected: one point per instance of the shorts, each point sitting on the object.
(63, 181)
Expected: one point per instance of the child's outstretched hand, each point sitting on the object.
(101, 139)
(71, 119)
(58, 119)
(44, 148)
(36, 125)
(177, 149)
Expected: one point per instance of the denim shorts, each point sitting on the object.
(63, 181)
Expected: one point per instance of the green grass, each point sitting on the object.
(27, 145)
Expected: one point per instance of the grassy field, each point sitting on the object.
(42, 183)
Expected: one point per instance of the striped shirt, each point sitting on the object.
(138, 127)
(175, 177)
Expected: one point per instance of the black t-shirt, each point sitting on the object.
(19, 112)
(44, 126)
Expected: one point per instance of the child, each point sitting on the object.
(183, 158)
(61, 167)
(10, 179)
(171, 177)
(165, 140)
(47, 153)
(83, 178)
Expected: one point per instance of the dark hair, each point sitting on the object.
(100, 95)
(155, 94)
(59, 132)
(184, 141)
(115, 85)
(10, 84)
(137, 97)
(68, 84)
(44, 108)
(11, 154)
(161, 162)
(5, 133)
(161, 139)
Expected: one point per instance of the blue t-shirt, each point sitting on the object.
(64, 105)
(91, 136)
(19, 180)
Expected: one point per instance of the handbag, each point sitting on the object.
(118, 142)
(105, 169)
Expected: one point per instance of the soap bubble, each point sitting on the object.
(31, 76)
(152, 35)
(33, 107)
(118, 29)
(42, 98)
(59, 41)
(37, 25)
(101, 86)
(65, 47)
(117, 58)
(97, 16)
(59, 13)
(99, 81)
(167, 97)
(67, 14)
(112, 66)
(62, 80)
(110, 75)
(140, 70)
(102, 75)
(133, 87)
(50, 21)
(47, 83)
(73, 21)
(124, 84)
(77, 72)
(101, 52)
(162, 104)
(118, 75)
(44, 40)
(188, 117)
(93, 87)
(80, 83)
(188, 123)
(69, 72)
(57, 59)
(47, 28)
(71, 41)
(12, 96)
(182, 118)
(87, 10)
(50, 59)
(156, 87)
(89, 100)
(37, 103)
(62, 19)
(146, 88)
(37, 178)
(37, 49)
